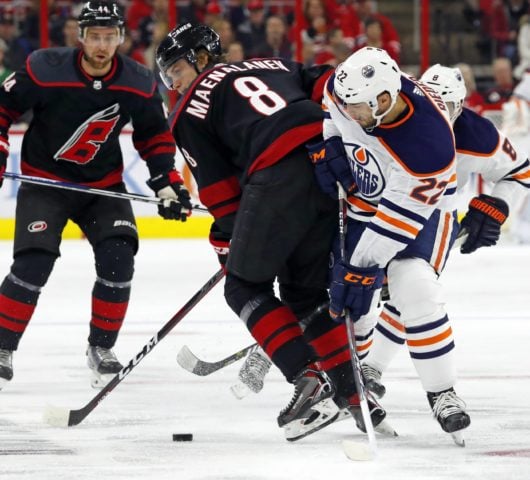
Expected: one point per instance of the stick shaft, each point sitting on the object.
(355, 362)
(75, 417)
(46, 182)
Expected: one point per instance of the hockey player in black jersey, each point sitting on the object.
(81, 100)
(242, 128)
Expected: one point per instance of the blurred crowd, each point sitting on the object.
(331, 30)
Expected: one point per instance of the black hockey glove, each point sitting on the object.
(3, 163)
(353, 288)
(483, 222)
(221, 246)
(176, 204)
(331, 165)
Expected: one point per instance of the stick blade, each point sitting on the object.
(56, 416)
(357, 451)
(188, 361)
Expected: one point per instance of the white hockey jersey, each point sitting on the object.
(403, 171)
(483, 149)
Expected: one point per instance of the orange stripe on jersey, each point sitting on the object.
(361, 204)
(388, 319)
(522, 176)
(430, 340)
(443, 241)
(397, 223)
(477, 154)
(407, 169)
(452, 179)
(366, 346)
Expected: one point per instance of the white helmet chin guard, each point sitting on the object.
(449, 84)
(365, 75)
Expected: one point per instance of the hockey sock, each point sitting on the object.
(389, 336)
(112, 290)
(431, 347)
(20, 292)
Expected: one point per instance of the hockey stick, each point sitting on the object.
(190, 362)
(62, 417)
(355, 450)
(46, 182)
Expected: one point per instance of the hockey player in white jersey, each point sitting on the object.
(396, 136)
(516, 124)
(481, 148)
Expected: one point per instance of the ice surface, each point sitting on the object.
(129, 434)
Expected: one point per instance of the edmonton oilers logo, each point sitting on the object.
(368, 71)
(366, 171)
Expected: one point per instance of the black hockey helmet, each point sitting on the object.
(101, 14)
(185, 41)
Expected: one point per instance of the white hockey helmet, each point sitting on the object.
(449, 84)
(366, 74)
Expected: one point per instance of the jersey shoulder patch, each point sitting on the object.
(136, 76)
(475, 134)
(53, 65)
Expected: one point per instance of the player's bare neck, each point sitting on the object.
(396, 111)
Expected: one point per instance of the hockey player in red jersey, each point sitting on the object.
(242, 129)
(81, 100)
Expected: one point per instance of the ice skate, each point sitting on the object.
(377, 414)
(450, 412)
(321, 415)
(372, 380)
(310, 387)
(6, 366)
(104, 365)
(252, 374)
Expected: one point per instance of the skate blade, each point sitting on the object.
(384, 428)
(3, 382)
(56, 416)
(458, 438)
(357, 451)
(240, 390)
(297, 429)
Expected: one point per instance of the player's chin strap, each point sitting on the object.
(76, 187)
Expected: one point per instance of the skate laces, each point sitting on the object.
(5, 357)
(447, 404)
(104, 355)
(371, 373)
(255, 368)
(308, 375)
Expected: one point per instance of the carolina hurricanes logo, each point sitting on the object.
(366, 170)
(86, 141)
(37, 226)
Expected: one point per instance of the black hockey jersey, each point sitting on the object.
(238, 118)
(77, 119)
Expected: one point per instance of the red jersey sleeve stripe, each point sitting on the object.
(220, 191)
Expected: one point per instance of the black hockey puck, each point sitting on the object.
(182, 437)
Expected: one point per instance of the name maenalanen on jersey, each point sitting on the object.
(200, 100)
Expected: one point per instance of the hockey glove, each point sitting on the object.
(331, 165)
(483, 222)
(176, 204)
(3, 163)
(221, 246)
(353, 288)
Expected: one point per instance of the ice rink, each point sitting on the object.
(129, 435)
